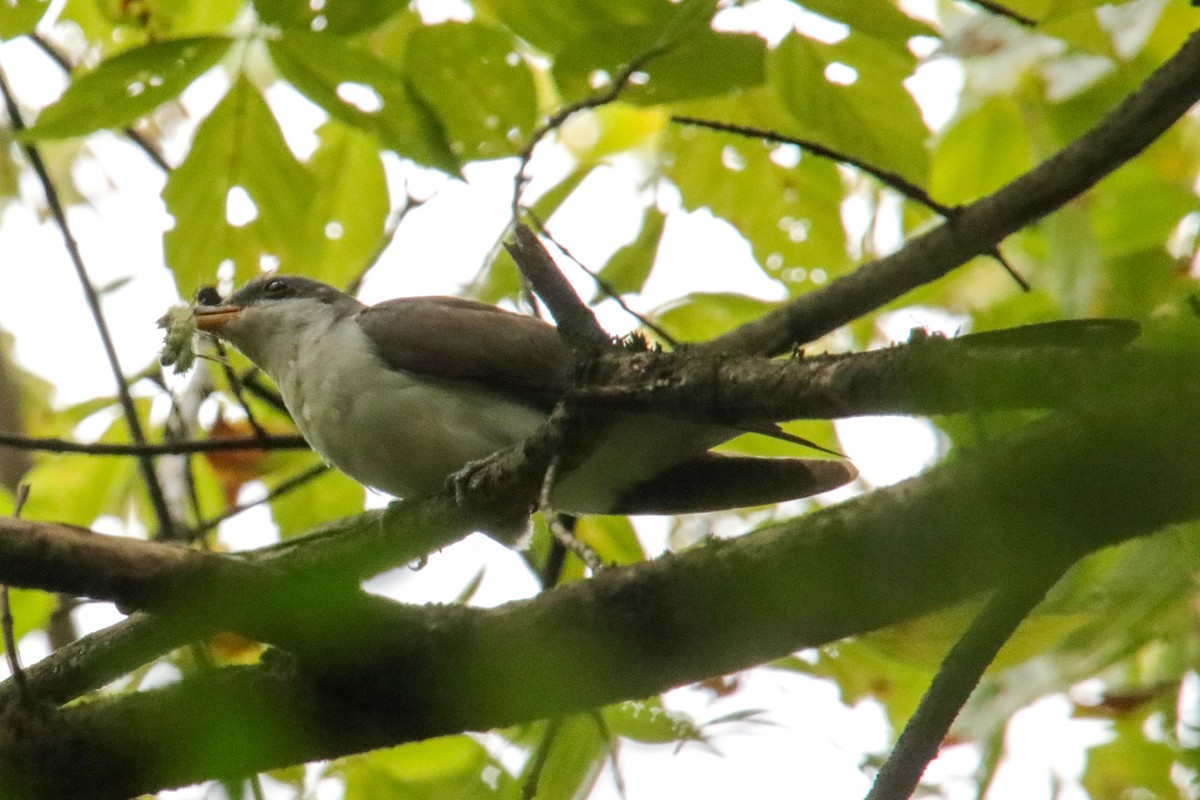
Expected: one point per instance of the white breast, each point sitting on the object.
(388, 429)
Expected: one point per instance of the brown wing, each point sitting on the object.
(457, 339)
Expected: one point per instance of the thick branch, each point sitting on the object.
(1061, 491)
(978, 228)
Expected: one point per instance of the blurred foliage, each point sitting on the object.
(403, 96)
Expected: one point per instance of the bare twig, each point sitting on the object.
(1007, 13)
(235, 386)
(896, 181)
(556, 120)
(145, 463)
(892, 179)
(537, 762)
(52, 445)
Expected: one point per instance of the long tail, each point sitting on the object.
(715, 482)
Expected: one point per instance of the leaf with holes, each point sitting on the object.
(346, 218)
(332, 16)
(128, 86)
(785, 203)
(359, 89)
(850, 96)
(474, 80)
(238, 157)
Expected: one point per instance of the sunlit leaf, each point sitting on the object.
(549, 26)
(18, 17)
(574, 760)
(128, 86)
(237, 152)
(702, 316)
(478, 86)
(650, 722)
(784, 202)
(850, 96)
(630, 266)
(361, 90)
(331, 495)
(613, 539)
(980, 152)
(332, 16)
(346, 219)
(705, 64)
(449, 766)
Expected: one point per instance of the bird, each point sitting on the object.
(404, 394)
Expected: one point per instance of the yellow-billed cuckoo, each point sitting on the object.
(402, 394)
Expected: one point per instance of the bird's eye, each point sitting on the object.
(275, 287)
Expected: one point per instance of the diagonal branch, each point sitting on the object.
(158, 499)
(979, 227)
(961, 529)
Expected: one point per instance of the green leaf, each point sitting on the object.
(706, 64)
(346, 219)
(128, 86)
(626, 272)
(697, 317)
(880, 19)
(474, 80)
(613, 539)
(575, 759)
(551, 24)
(359, 89)
(1131, 765)
(19, 17)
(447, 767)
(650, 722)
(332, 495)
(980, 152)
(872, 118)
(787, 210)
(238, 147)
(331, 16)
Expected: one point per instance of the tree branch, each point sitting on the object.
(1062, 490)
(979, 227)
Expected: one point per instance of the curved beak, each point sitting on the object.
(211, 319)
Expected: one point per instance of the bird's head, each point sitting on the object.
(271, 317)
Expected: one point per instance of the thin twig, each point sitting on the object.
(1007, 13)
(235, 386)
(979, 227)
(145, 463)
(52, 445)
(556, 120)
(7, 624)
(389, 235)
(537, 761)
(892, 179)
(605, 287)
(284, 486)
(957, 677)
